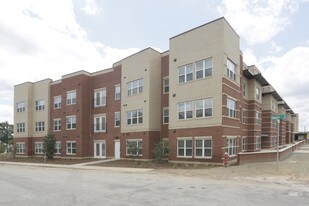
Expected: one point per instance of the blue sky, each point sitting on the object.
(47, 39)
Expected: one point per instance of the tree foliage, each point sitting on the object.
(6, 131)
(132, 149)
(161, 150)
(49, 145)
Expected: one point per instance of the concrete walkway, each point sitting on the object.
(303, 149)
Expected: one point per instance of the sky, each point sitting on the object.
(42, 39)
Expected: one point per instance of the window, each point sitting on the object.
(40, 126)
(203, 108)
(231, 146)
(71, 97)
(203, 68)
(231, 108)
(134, 147)
(184, 148)
(165, 115)
(21, 107)
(258, 93)
(134, 117)
(258, 117)
(20, 127)
(231, 69)
(71, 122)
(258, 143)
(71, 148)
(203, 147)
(40, 105)
(244, 144)
(99, 123)
(100, 97)
(58, 148)
(135, 87)
(166, 85)
(117, 119)
(244, 90)
(185, 73)
(38, 147)
(117, 92)
(57, 102)
(57, 125)
(185, 110)
(244, 116)
(21, 148)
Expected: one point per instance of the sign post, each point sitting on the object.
(278, 118)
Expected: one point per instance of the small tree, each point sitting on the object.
(49, 145)
(161, 150)
(132, 149)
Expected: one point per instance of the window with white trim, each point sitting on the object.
(40, 126)
(71, 148)
(38, 147)
(203, 147)
(203, 108)
(231, 108)
(71, 97)
(40, 105)
(58, 148)
(117, 92)
(244, 90)
(203, 68)
(134, 147)
(21, 106)
(244, 116)
(135, 87)
(165, 115)
(20, 148)
(57, 125)
(185, 110)
(57, 102)
(258, 143)
(99, 123)
(231, 146)
(117, 119)
(258, 93)
(244, 144)
(231, 69)
(134, 117)
(184, 147)
(185, 73)
(258, 117)
(99, 97)
(71, 122)
(166, 85)
(20, 127)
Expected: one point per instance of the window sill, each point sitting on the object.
(187, 157)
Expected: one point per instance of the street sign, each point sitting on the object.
(279, 116)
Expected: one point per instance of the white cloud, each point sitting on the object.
(91, 8)
(258, 21)
(274, 48)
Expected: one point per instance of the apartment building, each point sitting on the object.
(199, 95)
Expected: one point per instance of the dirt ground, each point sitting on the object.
(52, 161)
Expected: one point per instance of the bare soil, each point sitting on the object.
(48, 161)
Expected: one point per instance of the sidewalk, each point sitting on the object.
(303, 149)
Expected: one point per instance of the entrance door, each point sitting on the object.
(99, 149)
(117, 149)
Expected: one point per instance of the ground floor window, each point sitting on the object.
(21, 148)
(71, 148)
(134, 147)
(258, 143)
(58, 148)
(231, 146)
(203, 147)
(244, 144)
(184, 147)
(39, 148)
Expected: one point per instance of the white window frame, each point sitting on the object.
(231, 69)
(231, 105)
(185, 108)
(245, 90)
(21, 148)
(165, 115)
(258, 117)
(117, 92)
(135, 87)
(257, 93)
(58, 147)
(244, 143)
(71, 123)
(185, 71)
(117, 119)
(231, 146)
(20, 106)
(99, 97)
(57, 102)
(71, 97)
(206, 67)
(203, 147)
(99, 123)
(131, 117)
(244, 116)
(166, 85)
(140, 145)
(40, 105)
(70, 149)
(20, 127)
(206, 105)
(57, 125)
(39, 126)
(258, 143)
(38, 148)
(185, 147)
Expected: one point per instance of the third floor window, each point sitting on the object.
(40, 105)
(100, 97)
(203, 68)
(117, 92)
(71, 97)
(135, 87)
(57, 102)
(185, 73)
(231, 69)
(21, 107)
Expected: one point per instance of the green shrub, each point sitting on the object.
(49, 145)
(161, 150)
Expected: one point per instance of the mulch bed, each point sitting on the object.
(52, 161)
